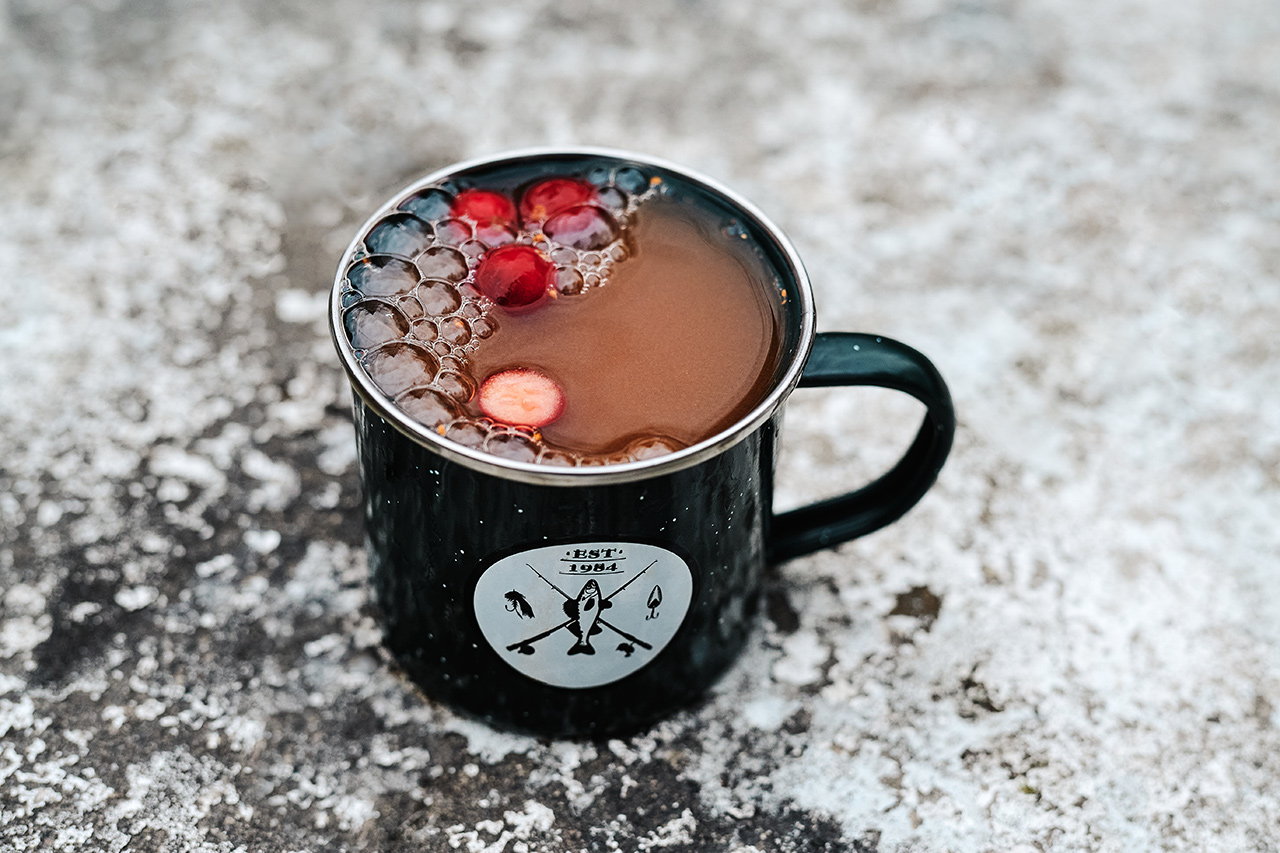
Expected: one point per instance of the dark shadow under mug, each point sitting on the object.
(591, 601)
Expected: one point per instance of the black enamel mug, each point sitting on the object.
(590, 601)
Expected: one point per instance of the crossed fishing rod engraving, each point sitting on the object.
(585, 617)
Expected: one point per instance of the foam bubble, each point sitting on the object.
(372, 323)
(613, 198)
(382, 275)
(430, 204)
(428, 406)
(568, 281)
(495, 235)
(424, 330)
(582, 227)
(443, 262)
(411, 307)
(399, 366)
(457, 385)
(467, 433)
(630, 180)
(554, 456)
(452, 232)
(651, 447)
(512, 445)
(439, 297)
(455, 330)
(399, 234)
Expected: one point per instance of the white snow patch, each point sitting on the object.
(768, 712)
(136, 598)
(262, 541)
(301, 306)
(169, 461)
(23, 633)
(804, 657)
(677, 831)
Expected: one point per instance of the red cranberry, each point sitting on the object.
(484, 207)
(549, 197)
(514, 276)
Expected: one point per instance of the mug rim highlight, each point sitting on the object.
(594, 475)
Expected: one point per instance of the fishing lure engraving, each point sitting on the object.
(517, 604)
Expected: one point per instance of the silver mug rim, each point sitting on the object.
(592, 475)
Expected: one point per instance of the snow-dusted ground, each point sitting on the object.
(1072, 644)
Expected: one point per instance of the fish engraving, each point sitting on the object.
(584, 616)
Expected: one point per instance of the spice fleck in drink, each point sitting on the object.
(579, 316)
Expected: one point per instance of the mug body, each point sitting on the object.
(585, 601)
(479, 577)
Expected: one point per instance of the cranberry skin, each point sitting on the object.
(549, 197)
(484, 207)
(514, 277)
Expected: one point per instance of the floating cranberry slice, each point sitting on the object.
(484, 207)
(521, 396)
(549, 197)
(514, 276)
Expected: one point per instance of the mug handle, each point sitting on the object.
(850, 358)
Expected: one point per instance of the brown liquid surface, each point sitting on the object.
(680, 342)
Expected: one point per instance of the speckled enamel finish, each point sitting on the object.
(434, 525)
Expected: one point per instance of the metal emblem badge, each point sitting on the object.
(584, 614)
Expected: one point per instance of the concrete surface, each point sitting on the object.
(1074, 208)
